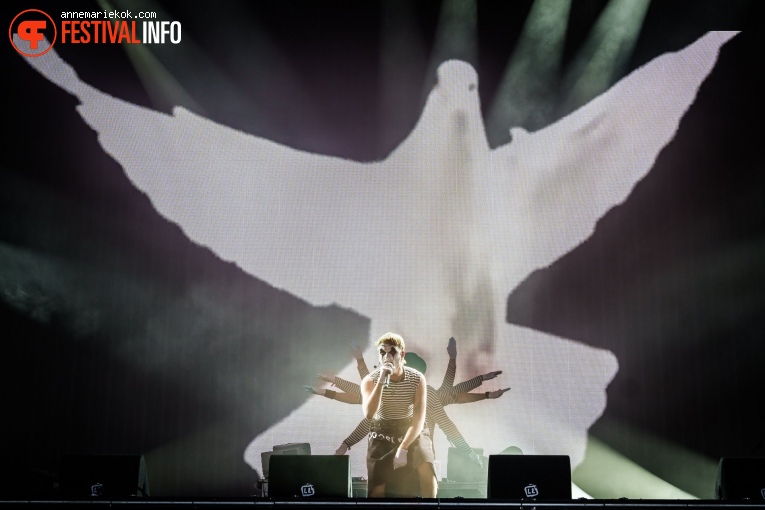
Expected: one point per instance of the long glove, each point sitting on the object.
(399, 460)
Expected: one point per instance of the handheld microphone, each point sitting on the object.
(387, 378)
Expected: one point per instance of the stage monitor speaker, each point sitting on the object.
(531, 477)
(459, 468)
(283, 449)
(310, 476)
(103, 475)
(741, 478)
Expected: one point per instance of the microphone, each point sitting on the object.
(387, 378)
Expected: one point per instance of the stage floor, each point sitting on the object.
(368, 504)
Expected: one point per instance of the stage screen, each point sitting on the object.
(205, 206)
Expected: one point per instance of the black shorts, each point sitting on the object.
(385, 437)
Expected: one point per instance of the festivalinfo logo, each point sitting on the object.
(34, 32)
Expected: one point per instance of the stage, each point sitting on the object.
(363, 503)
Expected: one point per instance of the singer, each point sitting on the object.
(400, 451)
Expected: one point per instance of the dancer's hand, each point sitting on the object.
(330, 378)
(474, 457)
(490, 375)
(343, 448)
(452, 348)
(315, 391)
(497, 393)
(357, 351)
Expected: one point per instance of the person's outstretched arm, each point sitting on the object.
(451, 368)
(452, 433)
(361, 365)
(466, 398)
(359, 433)
(466, 386)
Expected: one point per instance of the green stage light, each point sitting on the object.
(607, 474)
(456, 36)
(686, 469)
(163, 89)
(606, 53)
(528, 87)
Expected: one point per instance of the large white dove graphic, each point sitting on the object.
(428, 242)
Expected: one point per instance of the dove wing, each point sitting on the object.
(552, 186)
(307, 223)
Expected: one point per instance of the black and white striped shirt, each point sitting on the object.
(435, 415)
(398, 398)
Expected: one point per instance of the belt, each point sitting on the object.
(383, 437)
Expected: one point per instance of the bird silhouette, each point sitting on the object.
(427, 242)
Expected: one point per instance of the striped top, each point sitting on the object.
(435, 415)
(398, 398)
(447, 393)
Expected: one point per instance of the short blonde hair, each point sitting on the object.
(391, 338)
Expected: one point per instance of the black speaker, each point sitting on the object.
(741, 478)
(309, 476)
(534, 477)
(103, 475)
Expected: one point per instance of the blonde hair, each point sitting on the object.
(391, 338)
